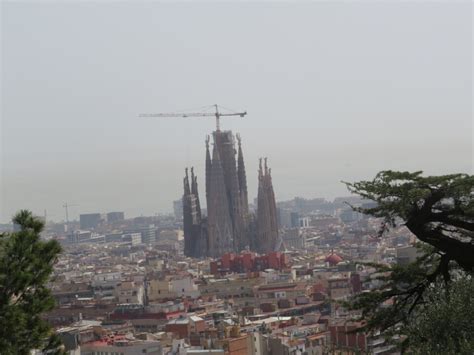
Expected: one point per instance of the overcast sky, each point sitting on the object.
(333, 91)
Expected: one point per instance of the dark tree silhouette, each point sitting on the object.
(439, 211)
(26, 264)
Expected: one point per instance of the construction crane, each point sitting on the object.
(216, 114)
(46, 215)
(66, 208)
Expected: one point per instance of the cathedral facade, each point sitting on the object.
(229, 226)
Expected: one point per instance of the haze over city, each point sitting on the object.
(236, 177)
(333, 92)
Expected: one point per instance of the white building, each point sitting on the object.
(179, 347)
(122, 347)
(185, 287)
(104, 284)
(132, 238)
(130, 292)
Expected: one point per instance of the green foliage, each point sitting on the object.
(439, 210)
(415, 303)
(411, 299)
(26, 264)
(393, 300)
(444, 324)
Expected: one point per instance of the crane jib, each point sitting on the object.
(216, 114)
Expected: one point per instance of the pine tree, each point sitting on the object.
(26, 265)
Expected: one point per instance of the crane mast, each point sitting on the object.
(216, 114)
(66, 209)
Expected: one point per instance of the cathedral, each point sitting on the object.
(228, 226)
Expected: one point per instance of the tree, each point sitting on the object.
(26, 264)
(445, 322)
(439, 211)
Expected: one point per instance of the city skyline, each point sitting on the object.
(340, 102)
(236, 177)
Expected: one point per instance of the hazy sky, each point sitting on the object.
(334, 91)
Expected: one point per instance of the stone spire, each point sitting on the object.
(267, 224)
(195, 192)
(242, 178)
(195, 239)
(208, 170)
(187, 190)
(225, 143)
(244, 203)
(220, 237)
(187, 216)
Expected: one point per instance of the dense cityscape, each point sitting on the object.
(240, 278)
(329, 210)
(125, 286)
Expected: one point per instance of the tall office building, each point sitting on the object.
(113, 217)
(178, 209)
(90, 220)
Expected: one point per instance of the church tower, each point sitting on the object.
(244, 203)
(267, 224)
(219, 222)
(229, 225)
